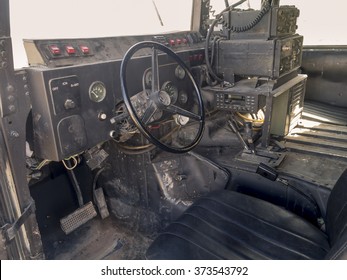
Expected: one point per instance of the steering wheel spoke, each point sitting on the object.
(149, 113)
(180, 111)
(155, 71)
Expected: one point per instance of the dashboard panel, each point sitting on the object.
(67, 52)
(74, 95)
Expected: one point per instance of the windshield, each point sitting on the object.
(47, 19)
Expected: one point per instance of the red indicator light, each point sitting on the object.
(178, 41)
(172, 42)
(55, 50)
(185, 41)
(84, 49)
(70, 50)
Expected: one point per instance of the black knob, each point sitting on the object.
(69, 104)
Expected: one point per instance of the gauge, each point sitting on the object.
(172, 90)
(180, 72)
(147, 76)
(97, 92)
(183, 97)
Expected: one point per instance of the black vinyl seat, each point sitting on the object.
(231, 225)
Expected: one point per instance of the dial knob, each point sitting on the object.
(69, 104)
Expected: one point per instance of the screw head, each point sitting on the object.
(12, 108)
(4, 64)
(11, 98)
(14, 134)
(10, 88)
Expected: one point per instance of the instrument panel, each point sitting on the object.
(74, 97)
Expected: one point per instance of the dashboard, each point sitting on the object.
(75, 86)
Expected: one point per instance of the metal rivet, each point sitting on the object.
(12, 108)
(4, 64)
(10, 88)
(11, 98)
(14, 134)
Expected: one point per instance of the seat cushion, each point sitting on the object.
(337, 219)
(231, 225)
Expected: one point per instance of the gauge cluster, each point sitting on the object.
(176, 87)
(71, 108)
(174, 84)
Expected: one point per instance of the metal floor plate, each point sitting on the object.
(325, 113)
(317, 138)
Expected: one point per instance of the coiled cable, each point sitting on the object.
(208, 38)
(238, 29)
(266, 7)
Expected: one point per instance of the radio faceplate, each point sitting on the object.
(235, 102)
(246, 96)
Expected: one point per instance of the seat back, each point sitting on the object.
(336, 221)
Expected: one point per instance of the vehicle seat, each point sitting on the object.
(231, 225)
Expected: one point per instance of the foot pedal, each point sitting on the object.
(78, 218)
(100, 202)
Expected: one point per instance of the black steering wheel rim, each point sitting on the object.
(131, 110)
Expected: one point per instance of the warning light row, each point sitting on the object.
(70, 50)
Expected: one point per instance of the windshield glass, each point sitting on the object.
(47, 19)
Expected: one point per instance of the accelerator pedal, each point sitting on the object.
(100, 202)
(78, 218)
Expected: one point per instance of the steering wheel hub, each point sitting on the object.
(164, 99)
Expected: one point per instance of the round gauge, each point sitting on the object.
(147, 76)
(183, 97)
(171, 90)
(97, 92)
(180, 72)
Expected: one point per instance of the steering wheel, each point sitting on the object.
(159, 99)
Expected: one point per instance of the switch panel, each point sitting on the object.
(65, 93)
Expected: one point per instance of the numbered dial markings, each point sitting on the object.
(171, 90)
(97, 92)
